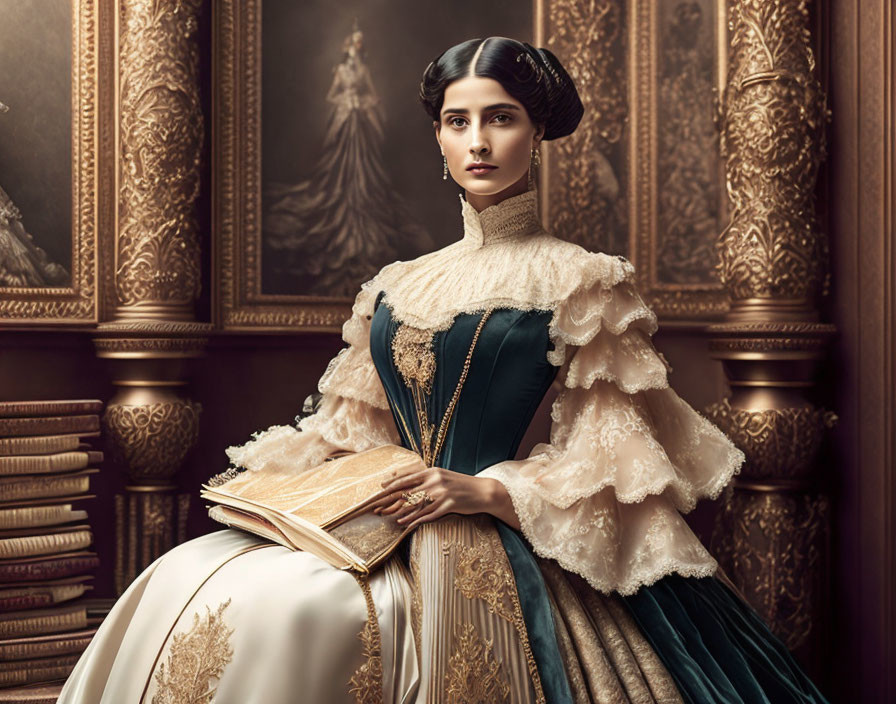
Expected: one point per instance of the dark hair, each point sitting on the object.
(534, 77)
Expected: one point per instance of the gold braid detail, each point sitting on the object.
(416, 363)
(367, 682)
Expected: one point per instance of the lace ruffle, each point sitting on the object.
(281, 449)
(628, 360)
(350, 425)
(637, 445)
(351, 372)
(531, 272)
(353, 414)
(614, 546)
(607, 304)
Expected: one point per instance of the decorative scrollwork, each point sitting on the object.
(152, 439)
(772, 544)
(779, 443)
(161, 138)
(773, 142)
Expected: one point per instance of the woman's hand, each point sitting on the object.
(451, 492)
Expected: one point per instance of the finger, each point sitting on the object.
(389, 510)
(429, 515)
(405, 481)
(385, 500)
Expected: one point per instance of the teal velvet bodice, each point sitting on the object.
(507, 378)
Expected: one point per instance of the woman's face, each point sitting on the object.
(482, 122)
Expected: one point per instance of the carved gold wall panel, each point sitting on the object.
(641, 176)
(76, 303)
(160, 136)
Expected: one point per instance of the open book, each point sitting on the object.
(324, 510)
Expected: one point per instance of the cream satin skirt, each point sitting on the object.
(234, 619)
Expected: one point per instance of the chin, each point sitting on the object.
(482, 187)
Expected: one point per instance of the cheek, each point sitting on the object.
(516, 147)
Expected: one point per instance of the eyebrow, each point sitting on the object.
(496, 106)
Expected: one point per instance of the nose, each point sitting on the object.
(478, 143)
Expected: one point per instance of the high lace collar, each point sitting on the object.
(516, 216)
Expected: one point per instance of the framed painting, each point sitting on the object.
(48, 162)
(643, 175)
(327, 167)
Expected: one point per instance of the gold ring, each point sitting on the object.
(416, 497)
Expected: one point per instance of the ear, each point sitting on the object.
(437, 127)
(539, 133)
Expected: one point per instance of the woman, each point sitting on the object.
(565, 576)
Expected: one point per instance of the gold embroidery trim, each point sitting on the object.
(483, 571)
(479, 574)
(415, 361)
(473, 675)
(197, 656)
(367, 682)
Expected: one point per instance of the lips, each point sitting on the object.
(481, 165)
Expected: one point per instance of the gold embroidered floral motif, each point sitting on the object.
(367, 682)
(196, 659)
(473, 676)
(413, 356)
(480, 573)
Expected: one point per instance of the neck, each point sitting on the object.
(512, 217)
(481, 202)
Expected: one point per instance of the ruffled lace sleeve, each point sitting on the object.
(626, 454)
(353, 414)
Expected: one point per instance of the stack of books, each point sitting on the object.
(45, 559)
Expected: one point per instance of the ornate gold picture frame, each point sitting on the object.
(239, 303)
(75, 303)
(642, 176)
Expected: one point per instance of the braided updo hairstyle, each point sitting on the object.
(534, 77)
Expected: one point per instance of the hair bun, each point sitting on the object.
(566, 107)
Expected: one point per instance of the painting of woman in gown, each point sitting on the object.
(22, 262)
(330, 232)
(564, 575)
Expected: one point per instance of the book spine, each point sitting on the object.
(44, 623)
(43, 649)
(29, 601)
(15, 409)
(37, 516)
(56, 669)
(43, 464)
(38, 445)
(44, 487)
(44, 544)
(47, 569)
(15, 427)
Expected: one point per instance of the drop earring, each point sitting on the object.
(444, 167)
(536, 157)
